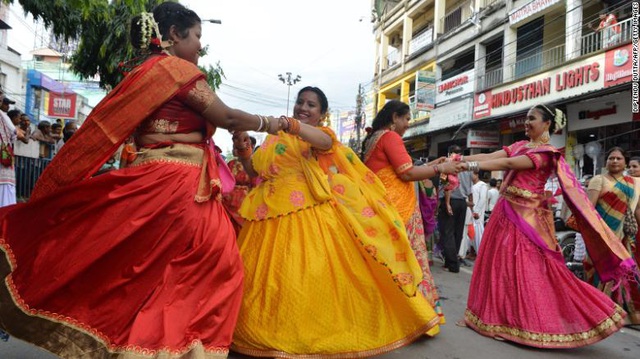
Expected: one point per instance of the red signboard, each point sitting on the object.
(62, 105)
(617, 66)
(482, 105)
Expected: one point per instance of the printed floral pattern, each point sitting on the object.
(339, 189)
(281, 148)
(261, 211)
(297, 198)
(371, 249)
(368, 212)
(403, 278)
(371, 232)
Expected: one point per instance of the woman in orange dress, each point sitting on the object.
(139, 262)
(384, 153)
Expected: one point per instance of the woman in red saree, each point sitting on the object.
(521, 289)
(384, 153)
(139, 262)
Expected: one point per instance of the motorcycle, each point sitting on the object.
(572, 247)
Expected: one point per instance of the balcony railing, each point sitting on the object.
(607, 37)
(539, 61)
(490, 78)
(393, 57)
(420, 41)
(556, 56)
(455, 17)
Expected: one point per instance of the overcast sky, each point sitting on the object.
(328, 43)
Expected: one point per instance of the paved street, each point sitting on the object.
(453, 342)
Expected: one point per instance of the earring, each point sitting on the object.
(392, 127)
(544, 138)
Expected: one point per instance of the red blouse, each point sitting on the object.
(390, 151)
(181, 114)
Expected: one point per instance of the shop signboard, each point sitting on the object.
(62, 105)
(602, 111)
(347, 123)
(560, 83)
(535, 7)
(453, 114)
(455, 87)
(483, 139)
(425, 90)
(617, 66)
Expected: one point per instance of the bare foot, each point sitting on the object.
(461, 323)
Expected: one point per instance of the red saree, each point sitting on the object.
(133, 263)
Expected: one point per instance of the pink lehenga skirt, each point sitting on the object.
(522, 291)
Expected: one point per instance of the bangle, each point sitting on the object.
(436, 169)
(461, 158)
(473, 166)
(261, 124)
(293, 126)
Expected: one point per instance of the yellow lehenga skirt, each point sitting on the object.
(313, 288)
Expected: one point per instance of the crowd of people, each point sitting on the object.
(299, 247)
(15, 132)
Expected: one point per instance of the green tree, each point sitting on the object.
(102, 29)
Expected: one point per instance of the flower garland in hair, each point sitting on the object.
(149, 28)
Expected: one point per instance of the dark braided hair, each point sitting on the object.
(384, 118)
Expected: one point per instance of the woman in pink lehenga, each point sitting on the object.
(521, 289)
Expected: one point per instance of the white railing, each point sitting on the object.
(607, 37)
(393, 57)
(490, 78)
(420, 41)
(540, 61)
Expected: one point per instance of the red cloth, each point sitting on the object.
(391, 151)
(175, 116)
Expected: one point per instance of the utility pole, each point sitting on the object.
(359, 114)
(288, 80)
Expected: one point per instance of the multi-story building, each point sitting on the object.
(470, 70)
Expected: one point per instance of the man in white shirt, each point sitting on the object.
(492, 195)
(480, 197)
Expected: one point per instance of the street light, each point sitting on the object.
(213, 21)
(289, 81)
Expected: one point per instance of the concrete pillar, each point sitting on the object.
(404, 91)
(481, 65)
(407, 36)
(573, 29)
(384, 51)
(509, 53)
(438, 15)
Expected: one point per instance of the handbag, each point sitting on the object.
(6, 149)
(6, 155)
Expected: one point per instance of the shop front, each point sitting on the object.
(593, 92)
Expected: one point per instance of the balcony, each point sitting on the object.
(393, 57)
(539, 61)
(421, 41)
(456, 17)
(606, 38)
(490, 78)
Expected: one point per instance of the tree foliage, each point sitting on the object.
(101, 28)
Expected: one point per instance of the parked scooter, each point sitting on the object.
(572, 247)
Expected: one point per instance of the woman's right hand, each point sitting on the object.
(449, 167)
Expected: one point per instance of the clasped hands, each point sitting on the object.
(448, 165)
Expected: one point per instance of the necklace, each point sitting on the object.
(533, 144)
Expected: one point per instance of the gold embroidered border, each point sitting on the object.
(519, 191)
(90, 341)
(547, 340)
(405, 167)
(362, 354)
(188, 155)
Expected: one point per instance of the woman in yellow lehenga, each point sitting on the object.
(328, 268)
(384, 153)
